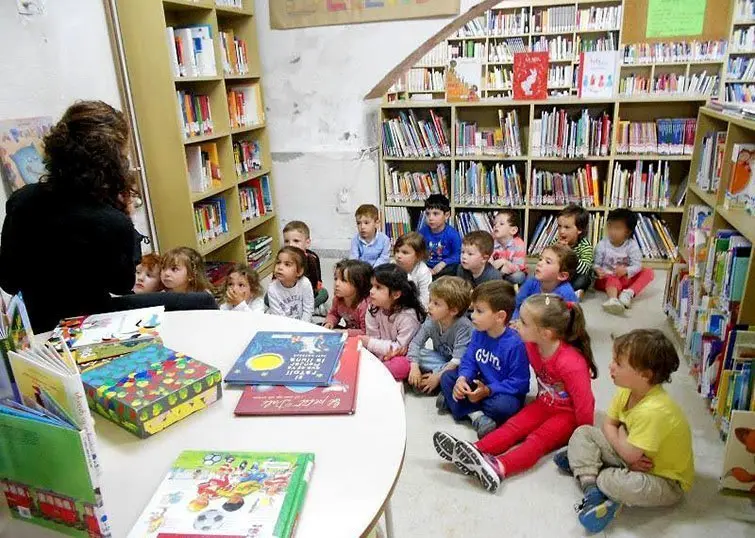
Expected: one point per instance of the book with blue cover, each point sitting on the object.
(288, 358)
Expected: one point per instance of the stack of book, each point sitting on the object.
(503, 24)
(743, 39)
(710, 165)
(634, 85)
(192, 51)
(472, 140)
(481, 184)
(203, 164)
(470, 221)
(596, 44)
(561, 133)
(245, 106)
(259, 251)
(414, 186)
(560, 76)
(408, 136)
(476, 27)
(740, 68)
(426, 79)
(210, 219)
(654, 238)
(671, 83)
(646, 187)
(499, 78)
(195, 113)
(732, 394)
(599, 18)
(557, 188)
(554, 19)
(740, 93)
(467, 49)
(247, 155)
(255, 198)
(558, 48)
(397, 222)
(665, 136)
(674, 52)
(235, 54)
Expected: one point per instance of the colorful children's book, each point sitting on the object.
(15, 335)
(530, 75)
(100, 336)
(228, 495)
(288, 358)
(597, 73)
(464, 79)
(739, 459)
(21, 151)
(741, 191)
(337, 399)
(150, 389)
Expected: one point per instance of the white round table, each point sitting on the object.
(358, 458)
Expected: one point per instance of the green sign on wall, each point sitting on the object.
(671, 18)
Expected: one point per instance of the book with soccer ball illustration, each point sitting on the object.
(288, 358)
(338, 398)
(228, 495)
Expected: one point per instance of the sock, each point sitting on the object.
(587, 481)
(474, 415)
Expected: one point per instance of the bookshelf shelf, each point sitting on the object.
(708, 198)
(420, 159)
(251, 224)
(245, 76)
(247, 128)
(654, 157)
(197, 79)
(739, 219)
(198, 196)
(188, 4)
(214, 244)
(205, 138)
(490, 158)
(243, 178)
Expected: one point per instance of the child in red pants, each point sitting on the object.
(558, 349)
(618, 262)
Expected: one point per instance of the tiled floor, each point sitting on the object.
(432, 500)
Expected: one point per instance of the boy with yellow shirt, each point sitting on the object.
(642, 456)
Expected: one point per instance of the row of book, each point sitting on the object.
(397, 222)
(599, 18)
(191, 50)
(426, 79)
(740, 93)
(558, 48)
(743, 39)
(674, 52)
(408, 136)
(670, 84)
(499, 23)
(560, 76)
(559, 188)
(648, 186)
(414, 186)
(561, 133)
(203, 164)
(499, 78)
(247, 156)
(467, 49)
(195, 113)
(555, 19)
(740, 68)
(596, 44)
(471, 221)
(487, 184)
(664, 136)
(245, 106)
(210, 219)
(503, 51)
(654, 237)
(255, 198)
(438, 55)
(235, 54)
(546, 232)
(504, 140)
(710, 164)
(474, 28)
(743, 10)
(259, 251)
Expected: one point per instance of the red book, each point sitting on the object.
(339, 398)
(530, 75)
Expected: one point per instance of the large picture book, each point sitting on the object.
(21, 150)
(15, 335)
(339, 398)
(288, 358)
(101, 336)
(228, 495)
(49, 471)
(150, 389)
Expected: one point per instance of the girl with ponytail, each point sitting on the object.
(558, 349)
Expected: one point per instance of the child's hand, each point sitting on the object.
(328, 325)
(438, 268)
(600, 272)
(364, 339)
(642, 465)
(620, 271)
(461, 389)
(395, 353)
(232, 297)
(430, 382)
(480, 393)
(515, 324)
(507, 267)
(498, 264)
(415, 375)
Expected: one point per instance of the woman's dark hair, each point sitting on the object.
(85, 154)
(394, 278)
(358, 274)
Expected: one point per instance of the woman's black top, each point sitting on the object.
(65, 254)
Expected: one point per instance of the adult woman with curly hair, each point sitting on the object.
(68, 241)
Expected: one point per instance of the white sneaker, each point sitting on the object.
(613, 306)
(625, 298)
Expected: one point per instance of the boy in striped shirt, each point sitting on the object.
(509, 253)
(573, 222)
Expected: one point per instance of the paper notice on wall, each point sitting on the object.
(672, 18)
(286, 14)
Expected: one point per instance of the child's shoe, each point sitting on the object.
(561, 459)
(613, 306)
(596, 510)
(484, 425)
(469, 460)
(445, 446)
(625, 298)
(580, 294)
(441, 405)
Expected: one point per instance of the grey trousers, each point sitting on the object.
(590, 454)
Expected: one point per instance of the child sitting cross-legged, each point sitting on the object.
(558, 349)
(370, 244)
(410, 253)
(448, 328)
(493, 376)
(442, 240)
(642, 455)
(351, 290)
(290, 293)
(509, 252)
(476, 249)
(554, 268)
(573, 222)
(243, 291)
(296, 234)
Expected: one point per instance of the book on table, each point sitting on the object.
(15, 335)
(228, 495)
(288, 358)
(339, 398)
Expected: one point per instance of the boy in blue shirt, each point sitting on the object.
(494, 374)
(557, 265)
(369, 244)
(442, 240)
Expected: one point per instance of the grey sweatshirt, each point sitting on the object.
(489, 273)
(628, 254)
(451, 344)
(297, 302)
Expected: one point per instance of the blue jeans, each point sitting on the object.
(430, 361)
(517, 277)
(499, 407)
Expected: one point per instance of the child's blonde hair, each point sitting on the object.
(251, 276)
(297, 226)
(414, 241)
(367, 210)
(566, 320)
(454, 291)
(195, 269)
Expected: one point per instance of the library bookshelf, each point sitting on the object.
(739, 80)
(156, 89)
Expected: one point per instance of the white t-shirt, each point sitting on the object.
(422, 277)
(253, 305)
(297, 302)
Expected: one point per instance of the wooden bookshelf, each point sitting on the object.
(154, 86)
(738, 22)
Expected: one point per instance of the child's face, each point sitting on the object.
(286, 270)
(617, 232)
(484, 318)
(436, 219)
(367, 227)
(175, 277)
(295, 238)
(568, 233)
(548, 268)
(502, 230)
(147, 279)
(528, 330)
(438, 309)
(406, 258)
(381, 296)
(471, 258)
(623, 375)
(240, 285)
(341, 287)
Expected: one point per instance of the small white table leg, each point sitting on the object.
(388, 517)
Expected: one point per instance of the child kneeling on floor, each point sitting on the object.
(493, 377)
(642, 456)
(447, 327)
(558, 349)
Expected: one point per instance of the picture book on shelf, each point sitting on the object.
(100, 336)
(597, 74)
(150, 389)
(739, 458)
(228, 495)
(740, 193)
(464, 79)
(530, 75)
(339, 398)
(21, 151)
(288, 358)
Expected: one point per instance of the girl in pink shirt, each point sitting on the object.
(351, 288)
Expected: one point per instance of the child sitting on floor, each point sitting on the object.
(476, 249)
(351, 289)
(554, 268)
(296, 234)
(493, 377)
(183, 270)
(242, 291)
(573, 222)
(290, 293)
(393, 318)
(558, 349)
(410, 253)
(449, 329)
(370, 244)
(148, 274)
(442, 240)
(509, 252)
(642, 456)
(618, 262)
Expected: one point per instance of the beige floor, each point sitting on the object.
(431, 500)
